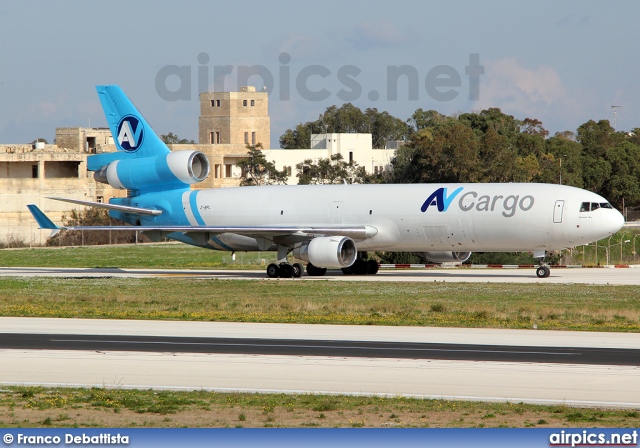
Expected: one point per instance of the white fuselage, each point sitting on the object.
(459, 217)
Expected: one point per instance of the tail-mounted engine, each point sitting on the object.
(177, 169)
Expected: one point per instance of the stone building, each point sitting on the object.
(31, 173)
(235, 118)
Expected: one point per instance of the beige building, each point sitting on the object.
(31, 173)
(236, 118)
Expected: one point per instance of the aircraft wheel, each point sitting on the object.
(312, 270)
(298, 269)
(360, 267)
(543, 272)
(348, 270)
(286, 270)
(372, 267)
(273, 271)
(315, 271)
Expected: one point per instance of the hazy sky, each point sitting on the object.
(562, 62)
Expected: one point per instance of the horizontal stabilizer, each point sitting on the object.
(43, 220)
(121, 208)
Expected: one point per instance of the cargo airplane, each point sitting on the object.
(329, 226)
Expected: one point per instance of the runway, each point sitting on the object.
(302, 347)
(595, 276)
(479, 364)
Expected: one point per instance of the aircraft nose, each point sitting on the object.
(615, 221)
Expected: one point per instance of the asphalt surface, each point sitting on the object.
(551, 367)
(367, 349)
(600, 276)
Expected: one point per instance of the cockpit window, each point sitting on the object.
(591, 206)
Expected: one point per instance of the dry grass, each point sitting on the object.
(565, 307)
(61, 407)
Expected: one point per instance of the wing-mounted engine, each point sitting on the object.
(176, 169)
(447, 257)
(327, 252)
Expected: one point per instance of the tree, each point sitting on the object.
(385, 127)
(422, 119)
(448, 153)
(297, 138)
(333, 170)
(498, 158)
(171, 138)
(533, 126)
(596, 138)
(347, 119)
(493, 118)
(559, 147)
(256, 170)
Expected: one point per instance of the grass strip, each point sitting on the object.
(490, 305)
(103, 407)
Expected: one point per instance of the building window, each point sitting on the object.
(350, 157)
(215, 137)
(217, 171)
(253, 102)
(213, 103)
(218, 103)
(227, 169)
(100, 199)
(244, 102)
(34, 171)
(218, 137)
(211, 137)
(253, 138)
(246, 138)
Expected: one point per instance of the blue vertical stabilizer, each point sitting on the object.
(131, 133)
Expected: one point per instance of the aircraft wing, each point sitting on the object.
(356, 231)
(121, 208)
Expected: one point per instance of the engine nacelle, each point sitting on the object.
(176, 169)
(447, 257)
(328, 252)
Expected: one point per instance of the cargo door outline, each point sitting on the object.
(557, 211)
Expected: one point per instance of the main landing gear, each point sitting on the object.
(285, 270)
(543, 270)
(362, 266)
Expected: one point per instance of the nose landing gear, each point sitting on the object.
(543, 270)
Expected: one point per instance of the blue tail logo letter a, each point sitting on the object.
(440, 199)
(130, 133)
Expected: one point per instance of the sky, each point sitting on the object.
(561, 62)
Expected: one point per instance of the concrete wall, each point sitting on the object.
(58, 172)
(83, 139)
